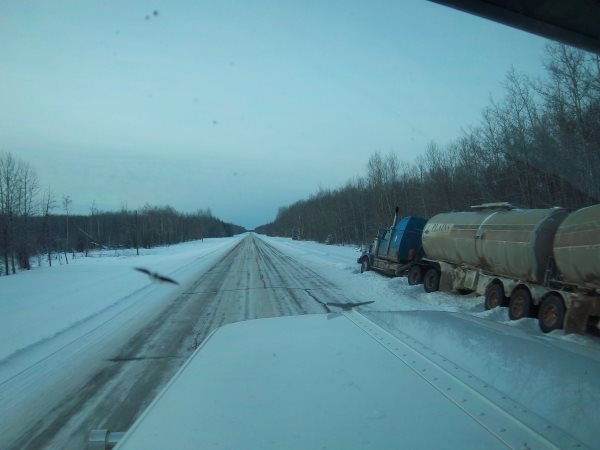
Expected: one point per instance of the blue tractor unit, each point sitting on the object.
(396, 249)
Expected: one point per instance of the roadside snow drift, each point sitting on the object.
(45, 304)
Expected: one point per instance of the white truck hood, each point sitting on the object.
(333, 381)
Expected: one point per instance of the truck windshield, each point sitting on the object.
(170, 168)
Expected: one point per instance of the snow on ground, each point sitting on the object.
(338, 264)
(43, 304)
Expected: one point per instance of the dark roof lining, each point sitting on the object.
(573, 22)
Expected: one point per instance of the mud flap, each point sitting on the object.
(446, 281)
(576, 317)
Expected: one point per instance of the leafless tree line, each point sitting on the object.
(18, 190)
(537, 147)
(35, 223)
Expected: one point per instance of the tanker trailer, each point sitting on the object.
(576, 277)
(496, 250)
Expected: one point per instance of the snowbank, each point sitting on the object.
(338, 264)
(48, 302)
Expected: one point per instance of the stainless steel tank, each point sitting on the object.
(577, 248)
(498, 238)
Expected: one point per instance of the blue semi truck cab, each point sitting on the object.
(396, 249)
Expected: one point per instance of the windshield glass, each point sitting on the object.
(169, 168)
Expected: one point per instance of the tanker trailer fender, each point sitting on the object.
(450, 274)
(460, 278)
(582, 310)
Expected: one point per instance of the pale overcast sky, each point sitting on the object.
(238, 106)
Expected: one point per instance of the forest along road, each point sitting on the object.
(253, 280)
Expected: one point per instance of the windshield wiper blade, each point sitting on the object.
(349, 306)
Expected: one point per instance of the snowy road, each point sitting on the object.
(104, 378)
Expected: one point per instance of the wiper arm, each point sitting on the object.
(349, 306)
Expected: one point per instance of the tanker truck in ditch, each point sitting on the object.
(542, 263)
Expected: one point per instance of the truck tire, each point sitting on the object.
(431, 280)
(364, 265)
(494, 296)
(551, 315)
(415, 275)
(520, 304)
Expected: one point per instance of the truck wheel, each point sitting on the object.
(431, 280)
(551, 315)
(415, 275)
(364, 266)
(519, 305)
(494, 296)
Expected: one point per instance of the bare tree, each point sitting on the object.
(48, 204)
(18, 188)
(66, 203)
(8, 181)
(27, 191)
